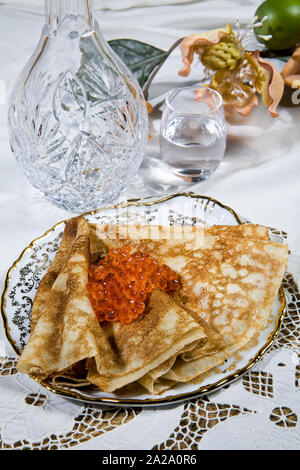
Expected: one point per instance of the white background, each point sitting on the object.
(259, 177)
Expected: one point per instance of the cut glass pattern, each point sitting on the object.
(77, 117)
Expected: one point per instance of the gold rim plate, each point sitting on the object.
(208, 204)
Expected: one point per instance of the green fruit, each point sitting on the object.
(283, 23)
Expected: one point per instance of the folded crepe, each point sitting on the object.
(66, 331)
(234, 292)
(42, 297)
(158, 335)
(230, 277)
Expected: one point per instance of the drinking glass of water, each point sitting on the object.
(193, 132)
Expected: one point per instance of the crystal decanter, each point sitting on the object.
(77, 117)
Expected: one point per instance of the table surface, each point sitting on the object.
(259, 179)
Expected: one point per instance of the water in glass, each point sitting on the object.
(193, 135)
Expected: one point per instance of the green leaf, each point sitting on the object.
(140, 58)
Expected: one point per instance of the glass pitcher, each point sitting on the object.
(77, 117)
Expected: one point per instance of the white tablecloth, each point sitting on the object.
(259, 177)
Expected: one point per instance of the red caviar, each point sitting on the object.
(118, 285)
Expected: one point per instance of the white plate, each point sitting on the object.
(24, 277)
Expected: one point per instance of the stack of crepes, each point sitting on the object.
(229, 279)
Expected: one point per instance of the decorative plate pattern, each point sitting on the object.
(185, 208)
